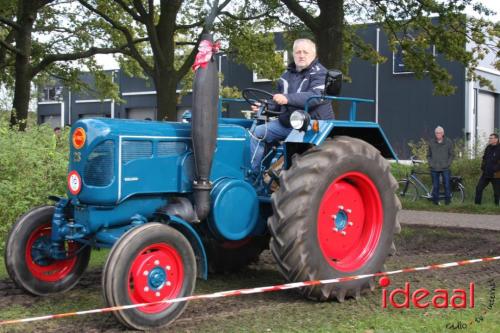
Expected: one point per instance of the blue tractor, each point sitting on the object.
(176, 201)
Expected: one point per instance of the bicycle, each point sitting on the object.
(412, 187)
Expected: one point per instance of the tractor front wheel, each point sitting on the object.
(149, 264)
(28, 259)
(334, 216)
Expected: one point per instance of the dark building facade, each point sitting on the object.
(405, 106)
(59, 106)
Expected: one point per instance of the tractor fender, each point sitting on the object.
(300, 141)
(194, 239)
(368, 132)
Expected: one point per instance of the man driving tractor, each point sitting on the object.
(304, 78)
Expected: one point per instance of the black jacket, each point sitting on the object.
(491, 161)
(440, 154)
(298, 87)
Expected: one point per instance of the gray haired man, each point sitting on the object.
(305, 77)
(440, 156)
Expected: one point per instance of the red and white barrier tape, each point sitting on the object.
(254, 290)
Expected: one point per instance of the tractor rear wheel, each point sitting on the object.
(28, 260)
(335, 215)
(148, 264)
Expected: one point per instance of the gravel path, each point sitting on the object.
(475, 221)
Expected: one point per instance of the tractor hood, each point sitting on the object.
(120, 157)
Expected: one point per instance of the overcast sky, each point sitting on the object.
(491, 4)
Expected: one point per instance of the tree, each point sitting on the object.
(172, 32)
(37, 34)
(156, 39)
(7, 13)
(414, 25)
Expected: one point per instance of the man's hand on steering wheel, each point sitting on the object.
(259, 100)
(280, 99)
(256, 107)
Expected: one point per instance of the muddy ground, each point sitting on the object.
(417, 246)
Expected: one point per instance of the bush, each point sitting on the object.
(33, 165)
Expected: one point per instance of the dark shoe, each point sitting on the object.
(436, 203)
(447, 203)
(253, 177)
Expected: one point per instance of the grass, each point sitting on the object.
(429, 234)
(364, 315)
(282, 312)
(286, 311)
(464, 208)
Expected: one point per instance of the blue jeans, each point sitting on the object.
(435, 185)
(267, 133)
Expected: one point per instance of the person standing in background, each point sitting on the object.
(440, 156)
(491, 170)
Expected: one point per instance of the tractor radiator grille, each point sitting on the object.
(134, 150)
(99, 167)
(169, 148)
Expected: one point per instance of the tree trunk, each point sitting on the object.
(19, 115)
(166, 96)
(3, 51)
(26, 14)
(330, 33)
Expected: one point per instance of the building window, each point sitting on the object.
(94, 115)
(398, 61)
(52, 94)
(257, 78)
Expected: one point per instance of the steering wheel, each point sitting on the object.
(253, 96)
(260, 98)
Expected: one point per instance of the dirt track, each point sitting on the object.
(417, 246)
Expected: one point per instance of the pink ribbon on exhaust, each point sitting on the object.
(205, 52)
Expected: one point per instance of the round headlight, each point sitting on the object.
(299, 120)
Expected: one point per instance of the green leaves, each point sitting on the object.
(33, 165)
(254, 47)
(416, 26)
(419, 26)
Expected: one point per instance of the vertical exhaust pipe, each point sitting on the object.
(204, 123)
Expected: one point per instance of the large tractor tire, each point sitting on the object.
(230, 257)
(150, 263)
(335, 215)
(27, 255)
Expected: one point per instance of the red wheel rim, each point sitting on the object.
(156, 274)
(47, 269)
(350, 219)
